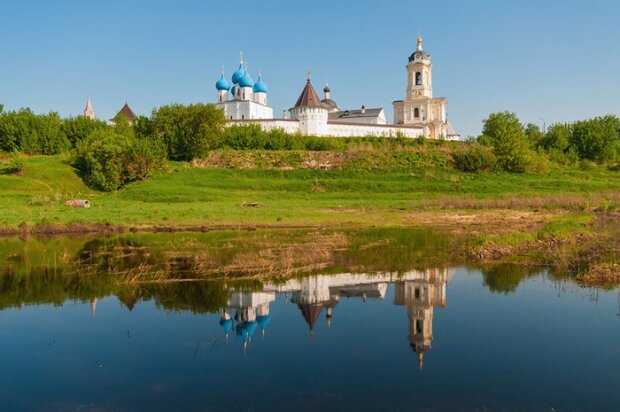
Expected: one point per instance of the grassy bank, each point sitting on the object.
(363, 189)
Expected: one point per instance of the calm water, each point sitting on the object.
(428, 339)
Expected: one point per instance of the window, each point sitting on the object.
(417, 293)
(419, 325)
(416, 113)
(418, 79)
(242, 117)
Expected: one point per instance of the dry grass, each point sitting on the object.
(603, 274)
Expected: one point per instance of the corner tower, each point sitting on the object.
(309, 111)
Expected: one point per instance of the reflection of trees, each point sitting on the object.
(394, 249)
(167, 268)
(504, 278)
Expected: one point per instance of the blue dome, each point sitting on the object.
(233, 90)
(246, 80)
(238, 74)
(246, 330)
(263, 321)
(260, 87)
(222, 84)
(226, 324)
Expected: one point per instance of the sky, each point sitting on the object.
(548, 61)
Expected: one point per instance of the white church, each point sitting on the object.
(418, 114)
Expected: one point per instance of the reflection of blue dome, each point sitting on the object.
(238, 74)
(260, 87)
(226, 324)
(246, 80)
(246, 330)
(263, 321)
(222, 84)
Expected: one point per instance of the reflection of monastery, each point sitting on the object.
(419, 292)
(419, 114)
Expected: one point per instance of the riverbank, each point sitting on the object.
(560, 218)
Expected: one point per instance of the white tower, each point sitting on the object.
(88, 111)
(419, 106)
(309, 111)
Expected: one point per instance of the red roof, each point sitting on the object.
(308, 97)
(127, 112)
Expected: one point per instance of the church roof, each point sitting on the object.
(308, 97)
(351, 114)
(127, 112)
(420, 54)
(311, 313)
(329, 104)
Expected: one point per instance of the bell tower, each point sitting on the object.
(419, 73)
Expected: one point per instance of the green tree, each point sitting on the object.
(78, 128)
(100, 159)
(25, 131)
(597, 139)
(557, 137)
(534, 135)
(189, 131)
(504, 133)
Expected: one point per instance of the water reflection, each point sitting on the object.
(418, 291)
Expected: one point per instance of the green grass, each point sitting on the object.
(185, 195)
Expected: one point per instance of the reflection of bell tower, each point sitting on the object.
(420, 296)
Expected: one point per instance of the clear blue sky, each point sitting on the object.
(551, 60)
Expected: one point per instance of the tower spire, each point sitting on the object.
(88, 111)
(419, 41)
(241, 57)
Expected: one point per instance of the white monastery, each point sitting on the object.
(419, 114)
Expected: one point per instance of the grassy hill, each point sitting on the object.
(384, 189)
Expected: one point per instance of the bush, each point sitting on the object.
(107, 160)
(597, 139)
(17, 164)
(189, 131)
(504, 133)
(474, 158)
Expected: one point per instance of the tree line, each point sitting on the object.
(109, 156)
(508, 145)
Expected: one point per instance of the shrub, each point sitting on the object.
(474, 158)
(189, 131)
(107, 160)
(597, 139)
(17, 164)
(504, 133)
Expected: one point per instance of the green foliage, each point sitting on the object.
(107, 160)
(78, 128)
(597, 139)
(534, 135)
(100, 159)
(504, 133)
(17, 164)
(30, 133)
(474, 157)
(189, 131)
(557, 137)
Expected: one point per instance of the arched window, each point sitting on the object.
(416, 113)
(418, 79)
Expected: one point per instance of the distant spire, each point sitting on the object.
(222, 69)
(419, 41)
(88, 111)
(93, 306)
(308, 75)
(241, 57)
